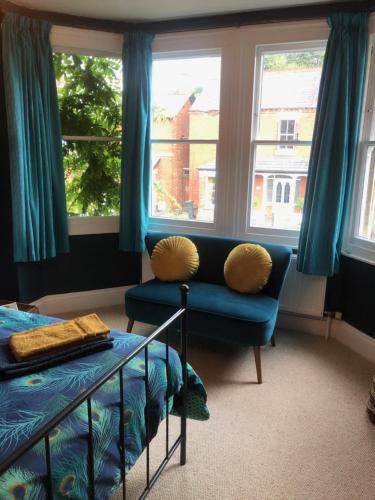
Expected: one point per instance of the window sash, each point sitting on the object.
(356, 245)
(162, 220)
(272, 234)
(360, 186)
(277, 235)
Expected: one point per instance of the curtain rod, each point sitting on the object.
(236, 19)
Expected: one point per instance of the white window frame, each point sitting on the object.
(91, 43)
(275, 235)
(237, 47)
(354, 245)
(181, 225)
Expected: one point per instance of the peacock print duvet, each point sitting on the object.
(28, 402)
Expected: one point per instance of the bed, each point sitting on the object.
(63, 430)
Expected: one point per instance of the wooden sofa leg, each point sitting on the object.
(258, 363)
(273, 341)
(129, 328)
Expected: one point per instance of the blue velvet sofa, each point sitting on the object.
(215, 310)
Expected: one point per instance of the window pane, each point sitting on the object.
(289, 90)
(89, 93)
(186, 98)
(183, 181)
(92, 177)
(367, 220)
(279, 185)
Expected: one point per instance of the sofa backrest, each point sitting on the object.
(213, 251)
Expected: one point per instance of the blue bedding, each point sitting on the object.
(28, 402)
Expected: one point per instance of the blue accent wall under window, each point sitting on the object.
(352, 291)
(94, 262)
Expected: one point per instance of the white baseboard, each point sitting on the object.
(299, 323)
(76, 301)
(344, 333)
(354, 339)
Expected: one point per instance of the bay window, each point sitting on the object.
(226, 157)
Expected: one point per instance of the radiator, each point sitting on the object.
(303, 294)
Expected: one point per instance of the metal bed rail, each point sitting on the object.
(43, 432)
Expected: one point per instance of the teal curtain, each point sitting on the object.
(136, 119)
(40, 226)
(334, 145)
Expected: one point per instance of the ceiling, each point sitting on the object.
(154, 10)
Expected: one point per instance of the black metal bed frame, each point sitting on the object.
(43, 433)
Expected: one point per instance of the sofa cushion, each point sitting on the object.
(247, 268)
(214, 310)
(174, 259)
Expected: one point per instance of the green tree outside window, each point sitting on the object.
(89, 92)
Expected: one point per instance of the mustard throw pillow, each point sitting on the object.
(247, 268)
(174, 259)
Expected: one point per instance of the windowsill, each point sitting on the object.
(277, 236)
(181, 226)
(110, 224)
(93, 225)
(362, 250)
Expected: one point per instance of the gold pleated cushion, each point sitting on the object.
(247, 268)
(174, 259)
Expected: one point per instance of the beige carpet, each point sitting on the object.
(303, 434)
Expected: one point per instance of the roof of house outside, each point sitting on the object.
(290, 89)
(281, 89)
(289, 165)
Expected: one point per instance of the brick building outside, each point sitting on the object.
(184, 174)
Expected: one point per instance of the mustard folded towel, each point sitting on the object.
(45, 339)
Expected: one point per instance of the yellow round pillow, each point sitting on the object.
(174, 259)
(247, 268)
